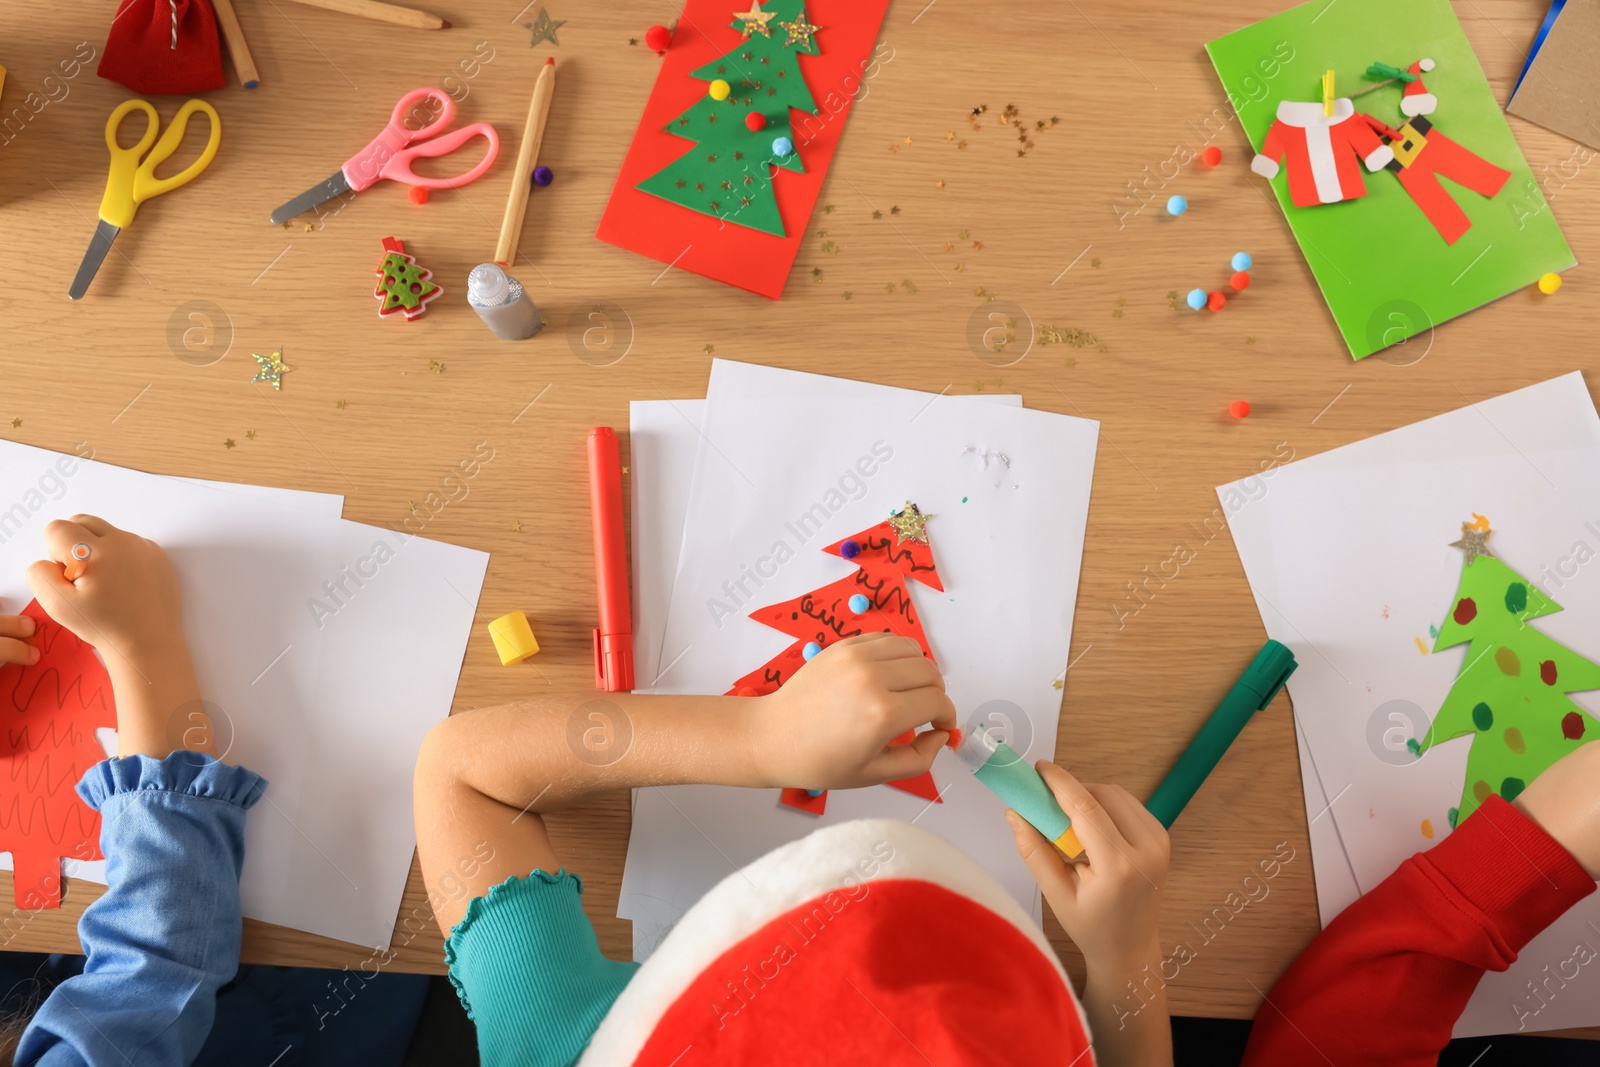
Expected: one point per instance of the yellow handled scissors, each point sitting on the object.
(132, 182)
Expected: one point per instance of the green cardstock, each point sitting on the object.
(1511, 697)
(1384, 270)
(728, 173)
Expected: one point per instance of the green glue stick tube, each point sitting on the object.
(1011, 778)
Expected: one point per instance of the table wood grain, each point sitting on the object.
(930, 220)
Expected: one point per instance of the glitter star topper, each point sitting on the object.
(909, 524)
(800, 32)
(271, 369)
(1474, 539)
(755, 20)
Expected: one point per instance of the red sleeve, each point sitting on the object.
(1386, 981)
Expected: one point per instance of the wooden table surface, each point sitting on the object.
(1062, 236)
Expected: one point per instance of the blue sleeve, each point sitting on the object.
(165, 936)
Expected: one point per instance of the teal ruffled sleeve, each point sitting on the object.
(528, 969)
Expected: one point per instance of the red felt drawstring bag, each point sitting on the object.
(143, 53)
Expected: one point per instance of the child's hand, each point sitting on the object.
(1110, 905)
(830, 726)
(14, 633)
(1565, 801)
(127, 603)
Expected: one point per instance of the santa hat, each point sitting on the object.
(1417, 100)
(837, 947)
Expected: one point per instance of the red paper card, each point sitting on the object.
(51, 711)
(723, 251)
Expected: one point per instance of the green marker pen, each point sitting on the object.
(1254, 691)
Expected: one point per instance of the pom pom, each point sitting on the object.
(756, 120)
(849, 549)
(1549, 283)
(543, 175)
(657, 38)
(719, 90)
(1216, 301)
(1242, 261)
(1240, 280)
(1196, 298)
(1239, 408)
(1211, 156)
(1177, 205)
(811, 649)
(782, 146)
(418, 194)
(859, 604)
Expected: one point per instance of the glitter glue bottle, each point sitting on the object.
(500, 301)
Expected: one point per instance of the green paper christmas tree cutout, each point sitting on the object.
(403, 285)
(728, 173)
(1511, 697)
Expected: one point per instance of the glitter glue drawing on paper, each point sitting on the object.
(51, 709)
(1511, 696)
(874, 598)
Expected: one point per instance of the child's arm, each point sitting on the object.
(1110, 906)
(165, 935)
(484, 777)
(1386, 981)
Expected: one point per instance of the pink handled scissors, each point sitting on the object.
(388, 157)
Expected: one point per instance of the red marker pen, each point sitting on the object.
(613, 640)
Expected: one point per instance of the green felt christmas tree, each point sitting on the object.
(1511, 697)
(729, 172)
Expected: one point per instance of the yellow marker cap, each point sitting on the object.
(513, 638)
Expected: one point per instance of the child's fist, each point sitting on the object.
(127, 603)
(14, 633)
(1110, 905)
(830, 725)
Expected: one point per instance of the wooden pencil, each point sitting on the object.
(527, 155)
(233, 33)
(372, 9)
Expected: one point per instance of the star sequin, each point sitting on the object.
(544, 28)
(800, 32)
(909, 524)
(755, 20)
(1474, 541)
(270, 369)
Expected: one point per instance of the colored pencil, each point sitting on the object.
(527, 155)
(372, 9)
(238, 49)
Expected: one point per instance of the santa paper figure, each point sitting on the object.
(1322, 151)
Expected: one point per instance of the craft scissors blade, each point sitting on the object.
(133, 180)
(389, 157)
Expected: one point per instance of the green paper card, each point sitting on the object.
(1385, 270)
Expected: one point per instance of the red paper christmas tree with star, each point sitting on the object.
(885, 556)
(51, 710)
(1511, 697)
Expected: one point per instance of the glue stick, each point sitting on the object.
(500, 301)
(1011, 778)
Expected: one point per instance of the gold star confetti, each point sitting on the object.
(939, 184)
(339, 404)
(949, 135)
(906, 140)
(877, 214)
(961, 144)
(848, 294)
(632, 41)
(516, 527)
(909, 286)
(949, 246)
(894, 148)
(800, 32)
(909, 524)
(1474, 542)
(1056, 684)
(270, 369)
(544, 28)
(827, 209)
(250, 434)
(435, 366)
(227, 443)
(816, 274)
(308, 227)
(710, 349)
(755, 20)
(894, 211)
(977, 244)
(411, 505)
(16, 424)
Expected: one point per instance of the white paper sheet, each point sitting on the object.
(1349, 560)
(330, 714)
(686, 838)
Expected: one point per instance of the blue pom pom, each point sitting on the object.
(849, 549)
(1177, 205)
(782, 146)
(859, 604)
(1197, 298)
(543, 175)
(811, 649)
(814, 792)
(1242, 261)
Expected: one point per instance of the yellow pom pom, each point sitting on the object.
(720, 90)
(1549, 283)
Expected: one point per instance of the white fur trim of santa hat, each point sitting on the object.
(1416, 100)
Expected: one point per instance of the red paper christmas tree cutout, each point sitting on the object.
(884, 555)
(51, 711)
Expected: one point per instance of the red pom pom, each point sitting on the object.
(744, 691)
(1211, 156)
(418, 194)
(1216, 301)
(1239, 408)
(1240, 280)
(756, 120)
(656, 38)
